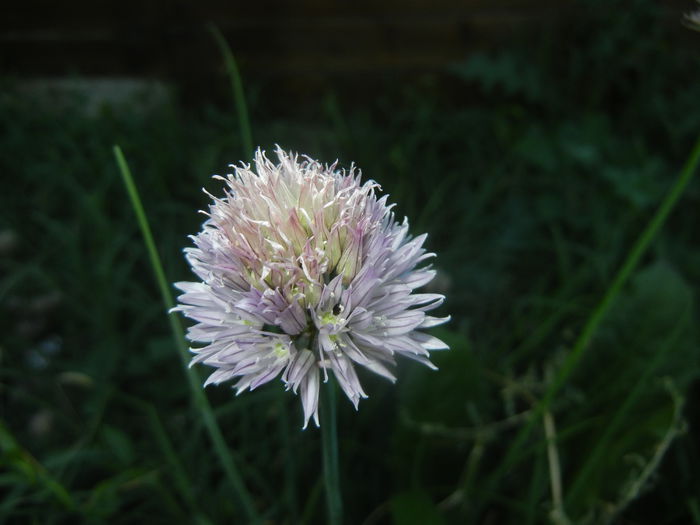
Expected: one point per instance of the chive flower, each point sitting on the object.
(305, 273)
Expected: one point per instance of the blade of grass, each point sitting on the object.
(694, 509)
(200, 400)
(12, 497)
(635, 254)
(533, 499)
(237, 87)
(471, 470)
(177, 470)
(31, 469)
(582, 478)
(545, 328)
(165, 445)
(632, 491)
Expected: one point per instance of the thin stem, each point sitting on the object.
(237, 87)
(558, 515)
(27, 465)
(329, 445)
(200, 400)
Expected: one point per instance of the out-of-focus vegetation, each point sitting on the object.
(534, 174)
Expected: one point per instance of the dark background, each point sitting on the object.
(295, 49)
(533, 141)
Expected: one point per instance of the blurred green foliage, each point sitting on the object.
(533, 173)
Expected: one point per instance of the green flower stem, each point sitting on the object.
(200, 400)
(329, 445)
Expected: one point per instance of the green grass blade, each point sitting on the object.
(154, 258)
(31, 469)
(237, 87)
(598, 452)
(533, 501)
(183, 483)
(638, 250)
(201, 402)
(635, 254)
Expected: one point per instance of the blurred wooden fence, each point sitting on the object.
(295, 42)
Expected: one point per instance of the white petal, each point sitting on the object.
(309, 395)
(222, 374)
(429, 342)
(298, 368)
(431, 321)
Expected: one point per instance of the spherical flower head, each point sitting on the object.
(305, 273)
